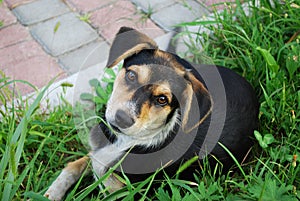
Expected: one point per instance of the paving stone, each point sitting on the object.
(109, 19)
(221, 5)
(15, 3)
(212, 2)
(112, 13)
(152, 5)
(40, 10)
(70, 34)
(13, 34)
(80, 83)
(164, 41)
(6, 17)
(84, 57)
(86, 6)
(176, 14)
(147, 26)
(74, 40)
(194, 7)
(27, 61)
(216, 4)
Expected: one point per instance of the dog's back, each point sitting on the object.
(241, 117)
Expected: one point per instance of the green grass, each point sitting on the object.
(37, 142)
(264, 48)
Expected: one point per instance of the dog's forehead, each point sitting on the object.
(168, 75)
(166, 80)
(143, 72)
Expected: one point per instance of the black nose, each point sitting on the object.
(123, 120)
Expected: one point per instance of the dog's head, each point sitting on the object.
(152, 88)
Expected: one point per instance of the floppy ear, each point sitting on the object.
(196, 104)
(127, 42)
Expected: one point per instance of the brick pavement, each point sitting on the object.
(41, 39)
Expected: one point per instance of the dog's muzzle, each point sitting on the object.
(123, 120)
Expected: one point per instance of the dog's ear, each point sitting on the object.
(196, 103)
(127, 42)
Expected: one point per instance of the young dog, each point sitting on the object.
(165, 111)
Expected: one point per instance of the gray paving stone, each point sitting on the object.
(164, 41)
(84, 57)
(178, 13)
(71, 33)
(154, 5)
(80, 83)
(40, 10)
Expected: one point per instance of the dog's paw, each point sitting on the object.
(112, 183)
(66, 179)
(60, 186)
(53, 196)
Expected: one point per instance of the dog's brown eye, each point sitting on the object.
(131, 76)
(162, 100)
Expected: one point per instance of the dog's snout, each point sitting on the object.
(123, 120)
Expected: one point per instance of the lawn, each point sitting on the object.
(262, 45)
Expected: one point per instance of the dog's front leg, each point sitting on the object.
(104, 158)
(66, 179)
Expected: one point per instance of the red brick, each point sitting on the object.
(15, 3)
(88, 5)
(13, 34)
(109, 19)
(112, 13)
(27, 61)
(146, 26)
(6, 16)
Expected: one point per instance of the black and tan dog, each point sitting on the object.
(156, 96)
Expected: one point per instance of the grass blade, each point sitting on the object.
(17, 138)
(235, 161)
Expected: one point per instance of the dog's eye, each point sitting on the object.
(162, 100)
(130, 76)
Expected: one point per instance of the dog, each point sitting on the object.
(164, 111)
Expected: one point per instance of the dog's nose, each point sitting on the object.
(123, 120)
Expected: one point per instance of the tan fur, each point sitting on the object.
(78, 166)
(195, 85)
(170, 60)
(143, 72)
(151, 117)
(163, 88)
(144, 115)
(188, 93)
(121, 94)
